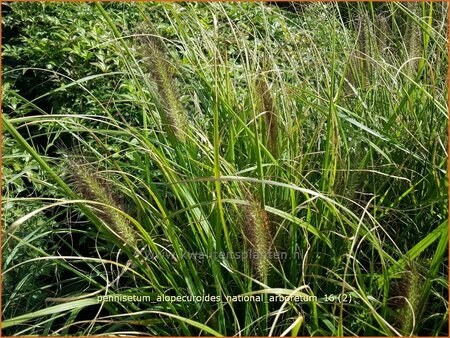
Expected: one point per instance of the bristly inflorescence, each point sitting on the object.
(410, 311)
(91, 186)
(258, 236)
(413, 37)
(267, 105)
(406, 299)
(162, 73)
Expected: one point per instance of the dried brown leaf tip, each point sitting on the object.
(258, 237)
(90, 186)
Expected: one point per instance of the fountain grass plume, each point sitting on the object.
(258, 236)
(91, 186)
(162, 72)
(267, 105)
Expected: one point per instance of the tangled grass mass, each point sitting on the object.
(236, 169)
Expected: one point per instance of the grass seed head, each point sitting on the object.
(412, 286)
(91, 186)
(413, 37)
(162, 72)
(365, 42)
(267, 104)
(258, 236)
(383, 32)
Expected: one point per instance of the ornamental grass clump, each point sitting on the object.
(258, 236)
(216, 235)
(90, 186)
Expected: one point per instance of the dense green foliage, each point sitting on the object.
(224, 149)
